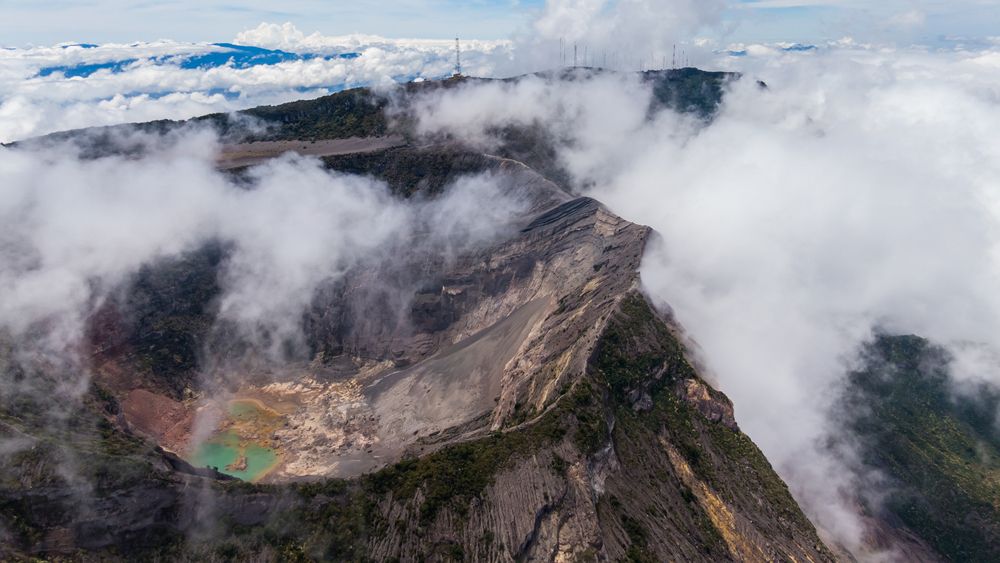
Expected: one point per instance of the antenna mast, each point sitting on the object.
(458, 58)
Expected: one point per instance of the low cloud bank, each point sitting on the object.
(77, 230)
(46, 89)
(857, 193)
(623, 35)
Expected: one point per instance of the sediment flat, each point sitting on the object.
(248, 154)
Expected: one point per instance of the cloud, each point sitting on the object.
(287, 36)
(76, 230)
(859, 192)
(908, 20)
(651, 24)
(46, 89)
(856, 193)
(626, 34)
(780, 4)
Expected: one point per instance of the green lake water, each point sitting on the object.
(224, 448)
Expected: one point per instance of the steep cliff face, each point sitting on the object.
(637, 459)
(520, 400)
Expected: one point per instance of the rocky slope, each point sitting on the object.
(935, 446)
(517, 401)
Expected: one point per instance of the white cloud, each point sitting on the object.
(860, 190)
(622, 34)
(75, 230)
(156, 87)
(910, 19)
(288, 37)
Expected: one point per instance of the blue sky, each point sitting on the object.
(42, 22)
(52, 21)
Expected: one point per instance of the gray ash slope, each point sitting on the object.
(533, 405)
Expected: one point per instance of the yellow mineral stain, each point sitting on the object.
(741, 548)
(592, 285)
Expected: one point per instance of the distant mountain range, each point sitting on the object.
(225, 54)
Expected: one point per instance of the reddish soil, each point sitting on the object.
(160, 418)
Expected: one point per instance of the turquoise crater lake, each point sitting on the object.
(232, 452)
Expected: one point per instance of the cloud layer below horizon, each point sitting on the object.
(47, 89)
(69, 86)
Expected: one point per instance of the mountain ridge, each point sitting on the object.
(590, 437)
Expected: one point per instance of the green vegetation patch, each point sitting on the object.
(170, 309)
(411, 171)
(689, 90)
(939, 445)
(454, 475)
(638, 354)
(351, 113)
(637, 347)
